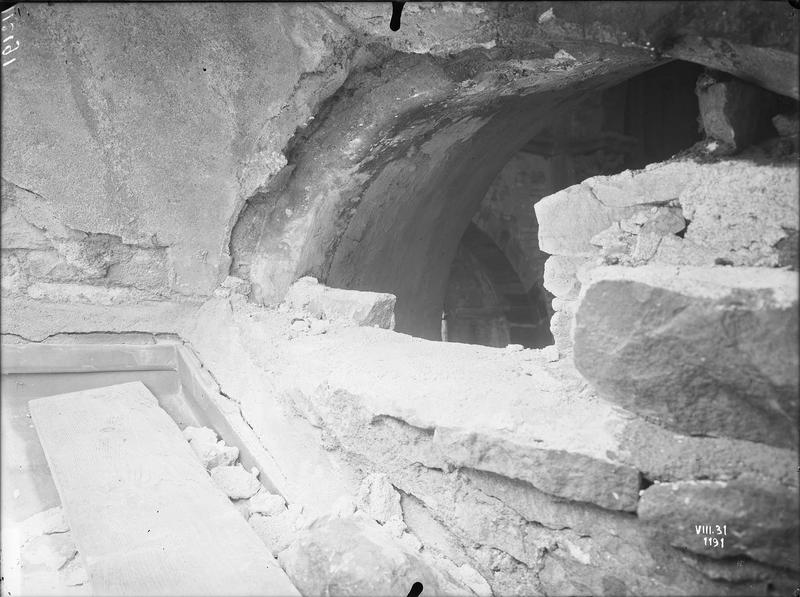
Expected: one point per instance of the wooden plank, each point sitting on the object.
(144, 513)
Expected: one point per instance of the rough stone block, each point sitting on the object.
(760, 520)
(666, 456)
(378, 499)
(704, 351)
(362, 308)
(212, 453)
(738, 210)
(13, 280)
(562, 473)
(236, 482)
(266, 503)
(49, 551)
(17, 233)
(277, 532)
(787, 125)
(733, 112)
(49, 265)
(142, 268)
(353, 556)
(560, 276)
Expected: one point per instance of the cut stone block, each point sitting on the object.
(353, 556)
(760, 520)
(359, 307)
(704, 351)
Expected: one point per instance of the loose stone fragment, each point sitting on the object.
(353, 556)
(267, 503)
(379, 499)
(236, 482)
(211, 452)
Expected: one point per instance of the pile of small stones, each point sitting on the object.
(266, 512)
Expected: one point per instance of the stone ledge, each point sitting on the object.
(487, 408)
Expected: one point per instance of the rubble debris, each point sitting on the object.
(353, 556)
(235, 481)
(212, 453)
(276, 531)
(266, 503)
(379, 499)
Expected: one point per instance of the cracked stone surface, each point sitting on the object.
(709, 351)
(760, 520)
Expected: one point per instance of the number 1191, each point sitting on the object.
(714, 542)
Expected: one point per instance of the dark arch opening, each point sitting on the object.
(487, 303)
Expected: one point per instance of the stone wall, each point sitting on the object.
(719, 212)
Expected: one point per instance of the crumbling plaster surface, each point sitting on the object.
(154, 123)
(159, 124)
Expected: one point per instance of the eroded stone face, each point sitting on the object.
(150, 137)
(709, 351)
(353, 556)
(759, 521)
(739, 211)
